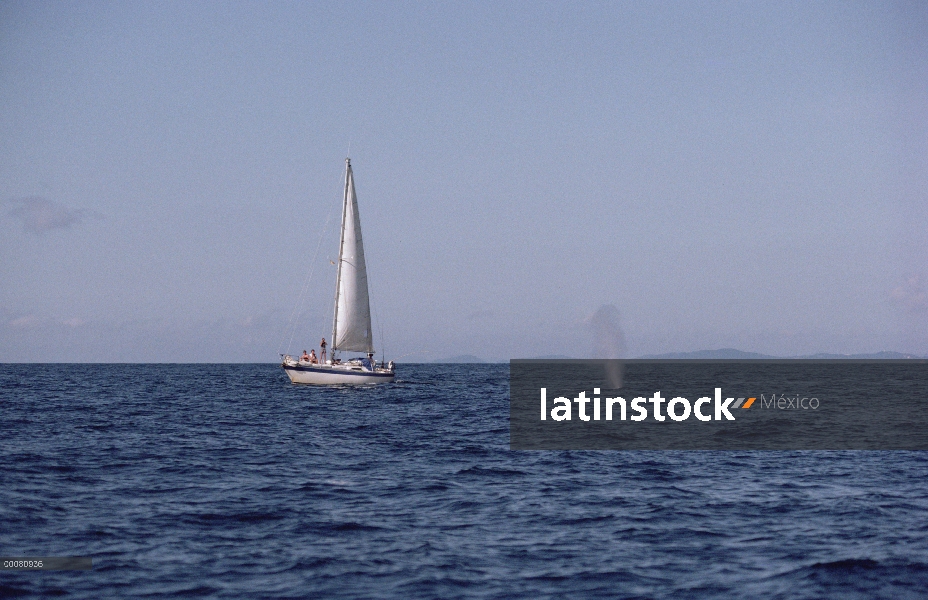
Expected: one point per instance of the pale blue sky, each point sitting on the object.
(750, 175)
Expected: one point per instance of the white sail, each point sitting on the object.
(352, 326)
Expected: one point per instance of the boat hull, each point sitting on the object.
(335, 375)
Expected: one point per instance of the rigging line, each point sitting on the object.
(370, 294)
(298, 309)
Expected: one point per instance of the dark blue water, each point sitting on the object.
(227, 481)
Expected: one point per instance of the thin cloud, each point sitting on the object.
(480, 314)
(24, 322)
(41, 215)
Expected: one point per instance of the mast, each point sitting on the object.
(341, 247)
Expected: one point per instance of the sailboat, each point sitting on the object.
(351, 324)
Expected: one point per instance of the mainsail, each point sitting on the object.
(351, 329)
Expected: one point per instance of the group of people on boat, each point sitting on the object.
(311, 357)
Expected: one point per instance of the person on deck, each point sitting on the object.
(312, 356)
(322, 350)
(305, 356)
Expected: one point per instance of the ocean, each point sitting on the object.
(226, 481)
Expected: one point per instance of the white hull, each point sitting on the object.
(335, 374)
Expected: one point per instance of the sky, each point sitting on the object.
(707, 174)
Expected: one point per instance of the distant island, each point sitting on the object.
(471, 359)
(731, 353)
(720, 354)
